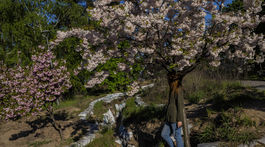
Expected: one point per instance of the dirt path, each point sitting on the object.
(38, 131)
(260, 85)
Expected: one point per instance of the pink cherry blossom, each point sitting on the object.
(26, 89)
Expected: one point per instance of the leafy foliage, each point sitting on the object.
(253, 71)
(21, 27)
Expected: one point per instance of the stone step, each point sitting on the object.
(211, 144)
(252, 144)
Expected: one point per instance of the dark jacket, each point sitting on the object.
(173, 112)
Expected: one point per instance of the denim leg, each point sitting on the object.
(178, 137)
(166, 131)
(173, 128)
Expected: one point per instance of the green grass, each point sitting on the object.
(67, 103)
(39, 143)
(161, 144)
(225, 120)
(226, 127)
(134, 114)
(78, 101)
(99, 110)
(199, 87)
(231, 97)
(130, 108)
(211, 90)
(106, 140)
(197, 96)
(157, 94)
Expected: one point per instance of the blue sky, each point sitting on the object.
(226, 2)
(52, 18)
(208, 16)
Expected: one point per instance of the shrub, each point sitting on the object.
(197, 96)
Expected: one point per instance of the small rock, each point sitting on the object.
(248, 145)
(130, 135)
(262, 140)
(212, 144)
(189, 127)
(119, 107)
(160, 105)
(148, 86)
(83, 115)
(123, 133)
(118, 141)
(139, 101)
(108, 118)
(89, 137)
(107, 99)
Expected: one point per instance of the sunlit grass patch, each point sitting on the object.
(134, 114)
(79, 101)
(228, 126)
(106, 139)
(99, 110)
(39, 143)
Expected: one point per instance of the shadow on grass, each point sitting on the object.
(145, 114)
(97, 92)
(139, 119)
(199, 112)
(80, 127)
(84, 127)
(248, 98)
(222, 102)
(39, 123)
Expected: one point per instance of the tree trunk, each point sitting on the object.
(56, 126)
(59, 100)
(175, 84)
(185, 122)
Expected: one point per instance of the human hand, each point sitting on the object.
(179, 124)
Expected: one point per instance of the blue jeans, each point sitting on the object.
(168, 129)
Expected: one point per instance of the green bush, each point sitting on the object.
(197, 96)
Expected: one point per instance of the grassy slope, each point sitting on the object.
(224, 117)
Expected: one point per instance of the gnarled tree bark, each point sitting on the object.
(55, 125)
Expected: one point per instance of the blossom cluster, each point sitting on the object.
(172, 33)
(133, 89)
(99, 78)
(26, 90)
(181, 25)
